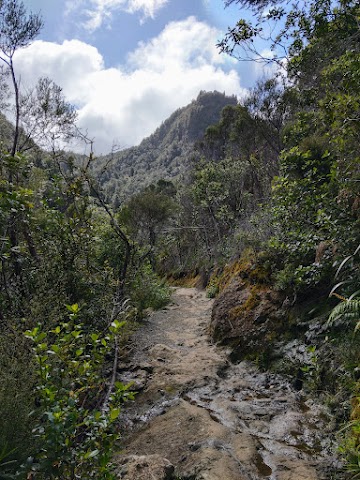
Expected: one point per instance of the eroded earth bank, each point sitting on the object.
(199, 417)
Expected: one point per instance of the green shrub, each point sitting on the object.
(16, 401)
(148, 291)
(77, 427)
(212, 291)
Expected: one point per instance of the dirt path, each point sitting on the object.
(211, 419)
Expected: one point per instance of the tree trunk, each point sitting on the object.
(17, 109)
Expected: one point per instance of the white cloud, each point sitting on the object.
(186, 44)
(149, 7)
(70, 65)
(129, 102)
(99, 11)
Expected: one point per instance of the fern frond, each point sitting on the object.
(347, 311)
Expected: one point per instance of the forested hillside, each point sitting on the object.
(257, 201)
(167, 154)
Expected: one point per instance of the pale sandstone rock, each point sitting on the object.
(145, 467)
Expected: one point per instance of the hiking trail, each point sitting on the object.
(209, 418)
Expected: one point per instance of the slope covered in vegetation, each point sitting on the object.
(267, 218)
(69, 278)
(167, 153)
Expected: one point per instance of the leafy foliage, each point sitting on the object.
(350, 447)
(278, 173)
(314, 208)
(77, 426)
(148, 290)
(146, 213)
(17, 383)
(348, 311)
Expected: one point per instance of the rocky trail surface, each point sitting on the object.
(199, 417)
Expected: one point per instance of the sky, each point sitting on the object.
(127, 65)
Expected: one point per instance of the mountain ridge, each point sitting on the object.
(166, 154)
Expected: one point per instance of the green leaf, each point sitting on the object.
(73, 308)
(91, 454)
(94, 337)
(116, 325)
(114, 413)
(41, 336)
(31, 333)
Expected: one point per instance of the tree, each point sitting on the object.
(17, 30)
(147, 213)
(270, 106)
(288, 29)
(316, 195)
(41, 115)
(45, 117)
